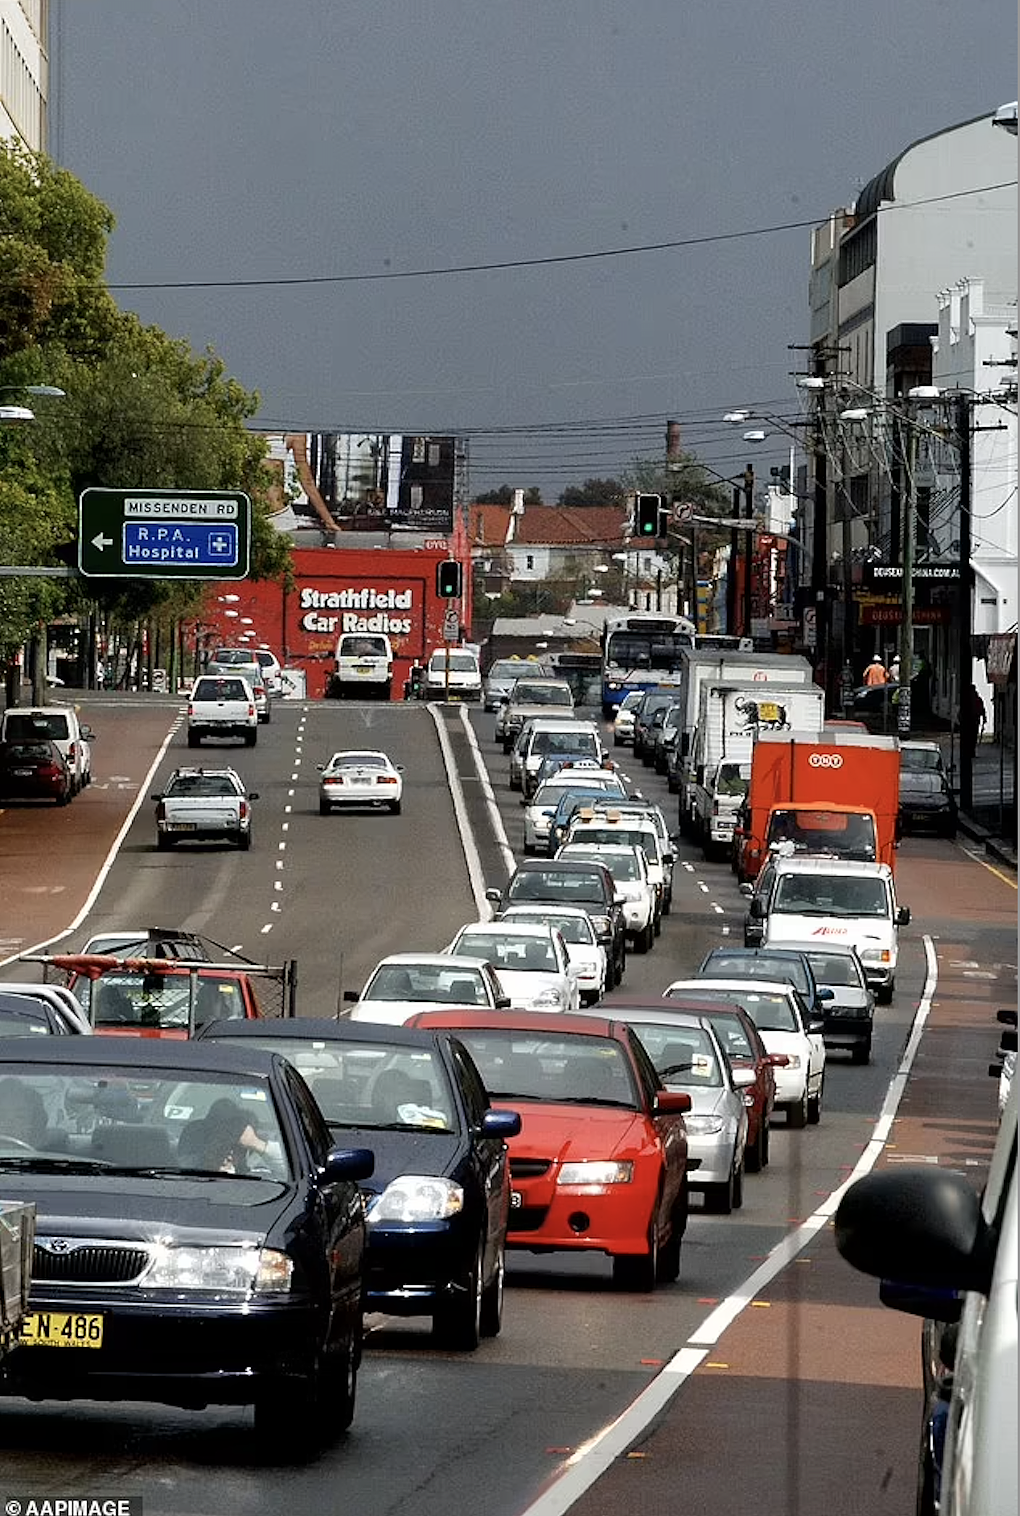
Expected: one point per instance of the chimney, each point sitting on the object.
(673, 448)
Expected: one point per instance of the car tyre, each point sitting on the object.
(637, 1272)
(738, 1186)
(644, 939)
(395, 807)
(250, 738)
(814, 1105)
(797, 1115)
(719, 1197)
(668, 1269)
(861, 1053)
(163, 842)
(491, 1319)
(325, 809)
(757, 1155)
(884, 993)
(457, 1325)
(244, 841)
(194, 740)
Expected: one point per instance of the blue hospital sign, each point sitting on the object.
(180, 542)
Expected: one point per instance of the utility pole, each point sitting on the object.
(748, 550)
(967, 722)
(820, 533)
(731, 577)
(908, 534)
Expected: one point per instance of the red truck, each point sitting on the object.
(835, 794)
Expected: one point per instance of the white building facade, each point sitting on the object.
(24, 72)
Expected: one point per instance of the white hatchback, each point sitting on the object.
(530, 958)
(585, 951)
(629, 868)
(404, 983)
(786, 1026)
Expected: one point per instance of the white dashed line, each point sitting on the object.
(282, 846)
(287, 810)
(274, 905)
(688, 866)
(702, 887)
(284, 826)
(717, 908)
(277, 884)
(267, 928)
(279, 863)
(291, 794)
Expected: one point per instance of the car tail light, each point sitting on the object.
(259, 692)
(72, 752)
(251, 710)
(243, 809)
(191, 709)
(715, 807)
(50, 771)
(161, 812)
(385, 779)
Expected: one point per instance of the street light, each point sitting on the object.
(16, 413)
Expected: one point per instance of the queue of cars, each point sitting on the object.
(45, 754)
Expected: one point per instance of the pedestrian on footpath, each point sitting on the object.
(875, 672)
(978, 718)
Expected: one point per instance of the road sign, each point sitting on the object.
(164, 534)
(451, 626)
(683, 511)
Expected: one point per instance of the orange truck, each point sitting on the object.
(836, 794)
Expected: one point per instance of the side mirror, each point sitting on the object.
(916, 1226)
(156, 797)
(501, 1123)
(349, 1164)
(743, 1078)
(1007, 1042)
(320, 768)
(494, 895)
(1006, 1016)
(672, 1102)
(747, 890)
(502, 1002)
(903, 916)
(756, 909)
(619, 899)
(88, 733)
(778, 1060)
(351, 997)
(823, 993)
(524, 800)
(815, 1027)
(253, 794)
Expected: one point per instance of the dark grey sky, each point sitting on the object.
(257, 139)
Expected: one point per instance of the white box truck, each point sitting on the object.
(731, 716)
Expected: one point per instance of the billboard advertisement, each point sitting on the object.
(404, 483)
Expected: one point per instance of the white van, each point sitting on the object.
(838, 900)
(59, 724)
(364, 666)
(453, 673)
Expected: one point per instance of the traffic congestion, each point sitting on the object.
(474, 1084)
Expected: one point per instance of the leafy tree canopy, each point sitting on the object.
(594, 492)
(505, 495)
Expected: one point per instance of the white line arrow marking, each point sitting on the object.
(100, 542)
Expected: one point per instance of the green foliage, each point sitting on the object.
(505, 495)
(142, 409)
(594, 492)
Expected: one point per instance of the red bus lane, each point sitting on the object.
(50, 856)
(810, 1400)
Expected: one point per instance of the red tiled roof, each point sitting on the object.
(555, 525)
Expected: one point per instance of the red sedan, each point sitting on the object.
(600, 1163)
(742, 1043)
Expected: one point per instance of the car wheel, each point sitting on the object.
(814, 1105)
(491, 1319)
(644, 939)
(797, 1115)
(163, 842)
(755, 1155)
(64, 798)
(861, 1053)
(395, 807)
(719, 1197)
(250, 738)
(194, 740)
(638, 1271)
(457, 1325)
(325, 809)
(658, 924)
(738, 1186)
(244, 841)
(767, 1143)
(672, 785)
(884, 994)
(668, 1270)
(667, 904)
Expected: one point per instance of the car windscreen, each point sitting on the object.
(128, 1000)
(757, 966)
(54, 725)
(231, 655)
(454, 985)
(930, 782)
(505, 669)
(569, 888)
(358, 761)
(200, 786)
(19, 1024)
(573, 929)
(459, 663)
(579, 742)
(611, 836)
(621, 865)
(567, 1069)
(220, 689)
(733, 779)
(371, 1083)
(920, 760)
(29, 752)
(769, 1012)
(541, 694)
(836, 969)
(361, 647)
(830, 895)
(684, 1057)
(504, 950)
(112, 1117)
(843, 833)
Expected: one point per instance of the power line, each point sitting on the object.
(706, 240)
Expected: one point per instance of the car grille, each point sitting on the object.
(527, 1218)
(529, 1168)
(59, 1261)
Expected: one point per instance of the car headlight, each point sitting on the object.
(598, 1173)
(417, 1197)
(703, 1126)
(602, 923)
(546, 998)
(877, 955)
(222, 1270)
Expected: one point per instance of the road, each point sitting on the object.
(436, 1430)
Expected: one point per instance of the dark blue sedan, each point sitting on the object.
(438, 1202)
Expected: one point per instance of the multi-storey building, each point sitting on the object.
(24, 71)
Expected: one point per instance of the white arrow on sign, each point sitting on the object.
(100, 542)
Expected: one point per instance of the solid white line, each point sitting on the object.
(495, 819)
(588, 1462)
(111, 857)
(467, 840)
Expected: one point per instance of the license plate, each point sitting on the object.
(23, 773)
(180, 826)
(516, 1200)
(363, 668)
(57, 1329)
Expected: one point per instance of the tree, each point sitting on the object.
(594, 492)
(505, 496)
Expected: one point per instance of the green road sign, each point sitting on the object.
(164, 534)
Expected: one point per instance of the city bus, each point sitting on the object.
(642, 651)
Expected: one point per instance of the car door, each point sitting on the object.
(568, 968)
(489, 1164)
(816, 1060)
(670, 1130)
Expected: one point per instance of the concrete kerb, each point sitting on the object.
(995, 847)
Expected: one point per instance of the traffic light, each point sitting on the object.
(647, 513)
(449, 579)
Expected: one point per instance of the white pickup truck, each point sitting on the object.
(198, 804)
(222, 705)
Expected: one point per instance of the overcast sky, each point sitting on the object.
(254, 139)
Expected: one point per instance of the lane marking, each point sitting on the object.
(595, 1457)
(115, 847)
(495, 819)
(977, 858)
(267, 928)
(467, 841)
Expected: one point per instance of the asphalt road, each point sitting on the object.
(435, 1431)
